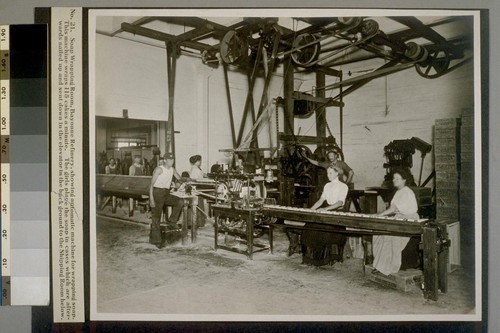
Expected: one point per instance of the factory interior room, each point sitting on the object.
(285, 166)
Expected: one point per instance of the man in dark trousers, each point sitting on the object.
(159, 195)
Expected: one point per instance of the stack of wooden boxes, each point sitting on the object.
(447, 166)
(447, 162)
(467, 184)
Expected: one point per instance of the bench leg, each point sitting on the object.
(271, 240)
(130, 207)
(113, 204)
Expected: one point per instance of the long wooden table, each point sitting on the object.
(137, 188)
(121, 186)
(434, 238)
(434, 241)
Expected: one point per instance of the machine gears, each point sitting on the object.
(293, 161)
(210, 58)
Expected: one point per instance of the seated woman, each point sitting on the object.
(387, 250)
(136, 169)
(112, 167)
(316, 244)
(195, 172)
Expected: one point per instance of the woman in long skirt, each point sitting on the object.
(387, 249)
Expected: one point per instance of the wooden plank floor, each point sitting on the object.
(136, 277)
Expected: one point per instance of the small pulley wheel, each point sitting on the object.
(416, 52)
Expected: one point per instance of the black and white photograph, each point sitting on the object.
(285, 164)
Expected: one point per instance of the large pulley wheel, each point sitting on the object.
(307, 49)
(233, 48)
(436, 65)
(293, 160)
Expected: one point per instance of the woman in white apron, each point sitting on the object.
(387, 249)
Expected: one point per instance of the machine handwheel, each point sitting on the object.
(436, 65)
(303, 165)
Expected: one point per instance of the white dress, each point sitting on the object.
(387, 249)
(195, 173)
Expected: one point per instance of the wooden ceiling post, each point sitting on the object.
(288, 88)
(341, 113)
(264, 100)
(249, 98)
(171, 67)
(320, 110)
(230, 105)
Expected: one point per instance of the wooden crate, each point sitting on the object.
(422, 194)
(453, 230)
(466, 135)
(445, 158)
(402, 280)
(447, 212)
(448, 122)
(467, 118)
(446, 133)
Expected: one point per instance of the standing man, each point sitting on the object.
(333, 160)
(159, 195)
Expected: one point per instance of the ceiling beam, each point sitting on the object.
(310, 30)
(297, 95)
(407, 34)
(317, 20)
(382, 71)
(161, 36)
(194, 33)
(144, 20)
(194, 22)
(425, 32)
(248, 26)
(321, 68)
